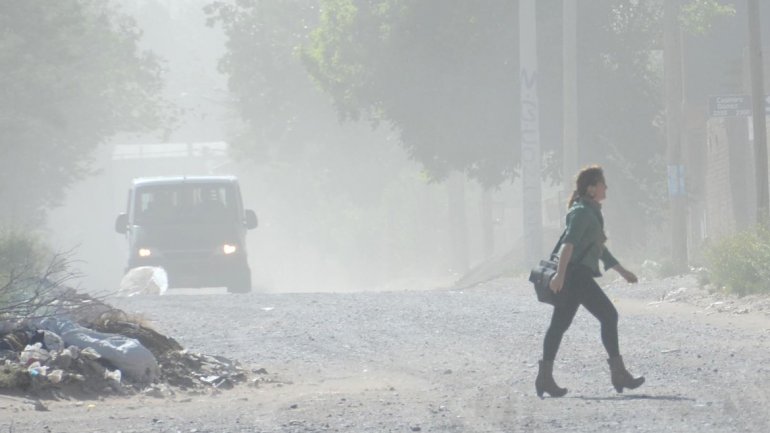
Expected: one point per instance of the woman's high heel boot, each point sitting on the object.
(545, 383)
(621, 378)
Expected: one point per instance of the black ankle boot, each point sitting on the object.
(621, 378)
(545, 383)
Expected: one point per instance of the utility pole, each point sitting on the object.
(674, 96)
(758, 112)
(569, 82)
(531, 159)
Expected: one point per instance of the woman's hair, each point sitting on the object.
(588, 176)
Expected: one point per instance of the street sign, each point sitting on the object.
(730, 106)
(676, 181)
(733, 105)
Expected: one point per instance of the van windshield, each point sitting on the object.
(185, 203)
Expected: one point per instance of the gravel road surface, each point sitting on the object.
(440, 360)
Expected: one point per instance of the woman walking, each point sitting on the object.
(574, 285)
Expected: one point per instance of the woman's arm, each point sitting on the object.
(610, 262)
(625, 273)
(565, 254)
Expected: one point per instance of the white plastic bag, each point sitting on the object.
(144, 280)
(34, 352)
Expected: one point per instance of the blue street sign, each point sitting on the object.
(676, 184)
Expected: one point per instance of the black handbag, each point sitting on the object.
(542, 274)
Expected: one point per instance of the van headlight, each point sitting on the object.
(144, 252)
(229, 249)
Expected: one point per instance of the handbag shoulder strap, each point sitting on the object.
(559, 242)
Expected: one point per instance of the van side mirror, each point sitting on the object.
(121, 223)
(251, 219)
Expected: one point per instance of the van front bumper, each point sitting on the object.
(195, 268)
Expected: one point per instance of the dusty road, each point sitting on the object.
(439, 361)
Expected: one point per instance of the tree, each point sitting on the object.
(442, 73)
(287, 118)
(71, 76)
(274, 96)
(620, 105)
(342, 197)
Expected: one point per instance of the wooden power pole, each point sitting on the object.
(569, 83)
(674, 96)
(758, 112)
(531, 159)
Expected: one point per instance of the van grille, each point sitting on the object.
(187, 255)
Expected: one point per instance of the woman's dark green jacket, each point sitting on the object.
(585, 230)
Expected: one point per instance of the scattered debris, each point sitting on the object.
(712, 300)
(675, 295)
(96, 349)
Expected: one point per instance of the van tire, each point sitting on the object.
(241, 282)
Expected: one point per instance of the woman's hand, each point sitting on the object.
(557, 282)
(565, 255)
(628, 275)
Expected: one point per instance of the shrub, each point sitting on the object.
(20, 252)
(31, 276)
(741, 262)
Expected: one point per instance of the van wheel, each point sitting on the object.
(241, 283)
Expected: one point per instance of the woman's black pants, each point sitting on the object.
(580, 288)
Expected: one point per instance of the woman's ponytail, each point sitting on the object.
(573, 199)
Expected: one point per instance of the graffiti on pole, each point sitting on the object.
(530, 134)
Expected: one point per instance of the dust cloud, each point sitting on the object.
(356, 214)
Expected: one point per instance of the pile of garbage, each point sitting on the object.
(95, 349)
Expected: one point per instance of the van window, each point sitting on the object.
(187, 203)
